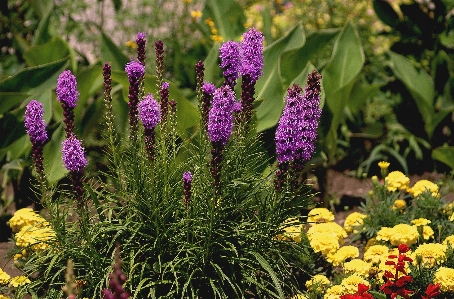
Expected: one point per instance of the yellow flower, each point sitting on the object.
(357, 266)
(404, 234)
(448, 208)
(319, 215)
(399, 204)
(383, 266)
(292, 230)
(298, 296)
(318, 282)
(427, 232)
(451, 218)
(383, 165)
(445, 278)
(376, 253)
(420, 222)
(334, 292)
(36, 237)
(384, 233)
(396, 180)
(4, 297)
(131, 44)
(217, 38)
(353, 220)
(19, 281)
(24, 217)
(4, 277)
(449, 240)
(422, 186)
(431, 254)
(350, 283)
(196, 14)
(329, 227)
(324, 243)
(342, 255)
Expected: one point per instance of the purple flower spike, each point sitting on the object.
(164, 94)
(220, 118)
(73, 155)
(251, 52)
(187, 184)
(67, 89)
(149, 113)
(141, 41)
(230, 62)
(34, 123)
(208, 88)
(135, 70)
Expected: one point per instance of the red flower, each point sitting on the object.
(403, 248)
(433, 290)
(361, 294)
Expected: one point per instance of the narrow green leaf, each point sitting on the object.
(53, 50)
(112, 54)
(444, 155)
(11, 100)
(267, 267)
(95, 200)
(42, 34)
(53, 164)
(211, 63)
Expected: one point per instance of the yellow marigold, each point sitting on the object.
(430, 254)
(396, 180)
(36, 237)
(317, 282)
(4, 297)
(449, 240)
(370, 243)
(420, 222)
(353, 220)
(445, 278)
(384, 234)
(383, 165)
(383, 266)
(292, 230)
(399, 204)
(357, 266)
(299, 296)
(427, 232)
(329, 227)
(451, 218)
(24, 217)
(404, 234)
(342, 255)
(350, 283)
(422, 186)
(19, 281)
(4, 277)
(334, 292)
(324, 243)
(448, 208)
(319, 215)
(376, 253)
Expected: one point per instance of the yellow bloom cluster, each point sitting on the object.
(292, 230)
(318, 282)
(19, 281)
(3, 297)
(449, 240)
(357, 266)
(399, 234)
(34, 236)
(422, 186)
(24, 217)
(396, 180)
(352, 221)
(420, 222)
(430, 254)
(375, 254)
(445, 278)
(384, 266)
(399, 204)
(319, 215)
(383, 165)
(214, 32)
(4, 277)
(344, 253)
(298, 296)
(325, 237)
(349, 285)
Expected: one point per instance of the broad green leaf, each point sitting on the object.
(112, 54)
(11, 100)
(53, 50)
(386, 13)
(211, 63)
(42, 34)
(269, 87)
(447, 39)
(53, 164)
(46, 99)
(43, 7)
(228, 17)
(293, 61)
(16, 149)
(444, 155)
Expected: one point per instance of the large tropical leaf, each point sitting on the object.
(445, 155)
(112, 54)
(53, 50)
(211, 63)
(228, 17)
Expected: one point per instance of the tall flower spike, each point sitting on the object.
(141, 51)
(200, 74)
(207, 94)
(159, 48)
(187, 184)
(135, 71)
(116, 281)
(230, 62)
(150, 116)
(106, 72)
(73, 156)
(68, 96)
(164, 94)
(36, 129)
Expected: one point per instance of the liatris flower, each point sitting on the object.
(200, 74)
(159, 48)
(73, 157)
(106, 73)
(116, 281)
(230, 62)
(36, 129)
(135, 71)
(68, 96)
(164, 93)
(150, 116)
(207, 94)
(187, 184)
(141, 51)
(220, 127)
(251, 68)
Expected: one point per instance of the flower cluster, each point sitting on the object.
(319, 215)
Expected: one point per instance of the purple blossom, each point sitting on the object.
(208, 88)
(67, 89)
(230, 61)
(187, 177)
(251, 52)
(141, 41)
(34, 123)
(220, 117)
(149, 112)
(73, 154)
(187, 184)
(141, 35)
(135, 70)
(297, 128)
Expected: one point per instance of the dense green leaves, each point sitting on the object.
(228, 17)
(445, 155)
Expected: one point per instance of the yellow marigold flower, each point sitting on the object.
(196, 14)
(448, 208)
(317, 282)
(399, 204)
(328, 227)
(370, 243)
(357, 266)
(350, 283)
(422, 186)
(383, 165)
(451, 218)
(4, 297)
(36, 237)
(431, 254)
(4, 277)
(324, 243)
(131, 44)
(449, 240)
(420, 222)
(19, 281)
(445, 278)
(404, 234)
(342, 255)
(319, 215)
(427, 232)
(334, 292)
(297, 296)
(353, 220)
(376, 253)
(396, 180)
(24, 217)
(384, 234)
(291, 232)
